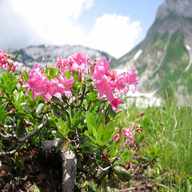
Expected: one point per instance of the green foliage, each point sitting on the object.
(85, 123)
(167, 142)
(99, 132)
(51, 72)
(62, 127)
(2, 113)
(8, 82)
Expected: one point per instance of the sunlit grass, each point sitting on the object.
(167, 139)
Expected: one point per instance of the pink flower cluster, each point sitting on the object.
(127, 134)
(5, 62)
(108, 83)
(40, 85)
(77, 62)
(111, 85)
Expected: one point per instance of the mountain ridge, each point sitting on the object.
(164, 57)
(45, 54)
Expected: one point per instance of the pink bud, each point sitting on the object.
(116, 137)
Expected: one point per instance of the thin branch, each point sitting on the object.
(7, 136)
(4, 135)
(84, 92)
(24, 139)
(5, 153)
(34, 132)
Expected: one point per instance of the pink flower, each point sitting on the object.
(116, 102)
(101, 68)
(121, 81)
(66, 83)
(5, 62)
(116, 137)
(79, 62)
(40, 85)
(131, 77)
(128, 133)
(63, 64)
(3, 59)
(104, 89)
(111, 85)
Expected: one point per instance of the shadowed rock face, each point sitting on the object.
(174, 15)
(165, 59)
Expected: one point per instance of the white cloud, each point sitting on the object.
(25, 22)
(13, 29)
(115, 34)
(41, 9)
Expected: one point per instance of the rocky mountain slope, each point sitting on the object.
(164, 57)
(45, 54)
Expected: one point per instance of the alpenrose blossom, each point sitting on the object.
(128, 133)
(63, 64)
(5, 62)
(116, 137)
(77, 62)
(40, 85)
(111, 85)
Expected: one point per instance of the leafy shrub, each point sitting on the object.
(77, 99)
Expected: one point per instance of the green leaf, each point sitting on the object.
(91, 133)
(2, 114)
(8, 82)
(122, 173)
(62, 127)
(40, 108)
(125, 156)
(51, 72)
(76, 76)
(91, 120)
(19, 101)
(92, 96)
(98, 132)
(25, 76)
(68, 74)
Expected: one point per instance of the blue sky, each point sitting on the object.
(114, 26)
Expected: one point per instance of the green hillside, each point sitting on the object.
(164, 62)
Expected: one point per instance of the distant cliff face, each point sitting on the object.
(179, 7)
(164, 57)
(45, 54)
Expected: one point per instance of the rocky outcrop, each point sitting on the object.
(181, 8)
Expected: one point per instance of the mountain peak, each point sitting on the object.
(165, 55)
(181, 8)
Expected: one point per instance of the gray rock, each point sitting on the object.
(179, 7)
